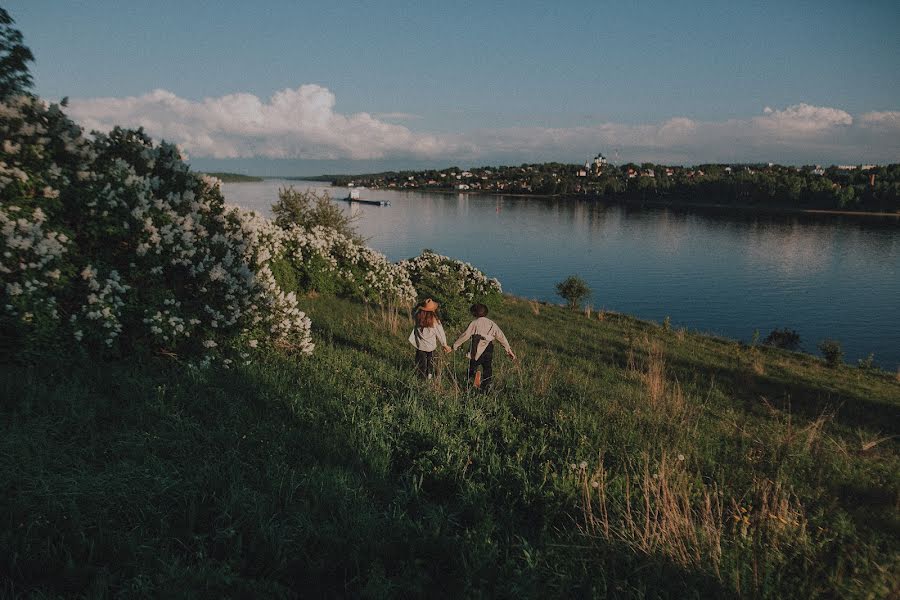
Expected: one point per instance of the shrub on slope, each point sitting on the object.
(453, 283)
(326, 260)
(114, 243)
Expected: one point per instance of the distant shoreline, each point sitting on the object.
(700, 205)
(234, 177)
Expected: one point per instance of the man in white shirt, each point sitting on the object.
(483, 332)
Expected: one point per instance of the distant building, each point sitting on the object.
(582, 173)
(847, 167)
(818, 170)
(462, 186)
(598, 163)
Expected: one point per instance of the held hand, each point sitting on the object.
(510, 354)
(448, 349)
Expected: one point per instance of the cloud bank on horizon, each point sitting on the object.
(302, 123)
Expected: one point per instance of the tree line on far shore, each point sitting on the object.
(870, 188)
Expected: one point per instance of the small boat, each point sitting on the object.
(353, 196)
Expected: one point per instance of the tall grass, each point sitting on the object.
(626, 463)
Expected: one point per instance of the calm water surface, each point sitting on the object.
(829, 276)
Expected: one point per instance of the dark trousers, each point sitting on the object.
(487, 369)
(424, 363)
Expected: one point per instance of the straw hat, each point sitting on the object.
(429, 305)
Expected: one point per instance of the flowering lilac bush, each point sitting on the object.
(453, 283)
(329, 261)
(114, 243)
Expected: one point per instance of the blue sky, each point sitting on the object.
(395, 84)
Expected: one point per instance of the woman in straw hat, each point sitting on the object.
(426, 335)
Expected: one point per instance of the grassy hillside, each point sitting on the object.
(616, 458)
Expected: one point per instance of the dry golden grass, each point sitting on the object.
(542, 378)
(392, 316)
(770, 513)
(756, 362)
(601, 316)
(660, 512)
(535, 307)
(655, 374)
(662, 508)
(867, 442)
(587, 311)
(679, 334)
(631, 365)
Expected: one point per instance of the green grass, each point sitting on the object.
(341, 475)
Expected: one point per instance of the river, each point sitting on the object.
(824, 276)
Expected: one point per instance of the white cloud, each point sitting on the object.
(302, 123)
(803, 118)
(293, 123)
(885, 120)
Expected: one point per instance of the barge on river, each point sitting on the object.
(353, 196)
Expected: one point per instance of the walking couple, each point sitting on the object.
(429, 332)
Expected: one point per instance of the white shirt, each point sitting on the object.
(427, 338)
(488, 330)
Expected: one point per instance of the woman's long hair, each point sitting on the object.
(425, 318)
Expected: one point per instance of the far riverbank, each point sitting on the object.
(747, 208)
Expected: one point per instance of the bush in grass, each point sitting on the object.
(831, 350)
(455, 284)
(325, 260)
(573, 289)
(115, 244)
(309, 208)
(867, 363)
(787, 339)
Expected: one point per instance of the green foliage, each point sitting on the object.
(14, 58)
(454, 284)
(112, 244)
(787, 339)
(574, 290)
(831, 350)
(309, 209)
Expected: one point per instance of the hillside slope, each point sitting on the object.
(615, 458)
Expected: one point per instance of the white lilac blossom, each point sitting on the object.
(119, 236)
(470, 283)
